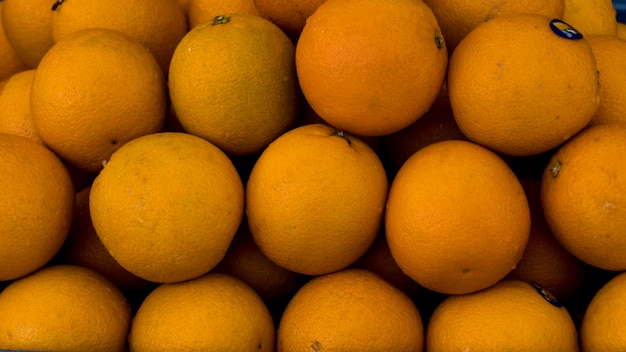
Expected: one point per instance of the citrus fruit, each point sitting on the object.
(545, 261)
(371, 67)
(94, 91)
(581, 192)
(159, 25)
(511, 315)
(289, 15)
(37, 206)
(84, 248)
(214, 312)
(28, 27)
(245, 261)
(520, 86)
(602, 327)
(608, 51)
(10, 62)
(200, 11)
(315, 199)
(63, 308)
(167, 205)
(233, 82)
(15, 117)
(459, 17)
(457, 219)
(621, 30)
(350, 310)
(591, 16)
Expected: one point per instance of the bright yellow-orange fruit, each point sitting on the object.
(512, 316)
(28, 27)
(315, 199)
(201, 11)
(457, 218)
(159, 25)
(582, 192)
(94, 91)
(371, 67)
(10, 62)
(350, 310)
(459, 17)
(591, 16)
(233, 82)
(36, 208)
(167, 205)
(609, 51)
(215, 312)
(289, 15)
(602, 328)
(63, 308)
(519, 85)
(15, 117)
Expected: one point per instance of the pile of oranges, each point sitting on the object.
(312, 175)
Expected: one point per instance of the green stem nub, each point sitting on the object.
(221, 20)
(556, 168)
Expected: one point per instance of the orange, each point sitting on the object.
(545, 261)
(15, 117)
(581, 192)
(602, 328)
(315, 199)
(378, 259)
(457, 218)
(28, 27)
(459, 17)
(84, 248)
(289, 15)
(245, 261)
(591, 16)
(526, 93)
(201, 11)
(94, 91)
(609, 51)
(243, 102)
(167, 205)
(621, 30)
(511, 316)
(371, 67)
(37, 206)
(159, 25)
(10, 62)
(437, 124)
(215, 312)
(63, 308)
(350, 310)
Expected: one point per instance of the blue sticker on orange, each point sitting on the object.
(547, 295)
(564, 30)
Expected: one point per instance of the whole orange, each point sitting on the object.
(36, 208)
(233, 82)
(602, 328)
(94, 91)
(350, 310)
(459, 17)
(457, 218)
(511, 315)
(63, 308)
(214, 312)
(315, 199)
(523, 94)
(371, 67)
(167, 205)
(159, 25)
(609, 51)
(581, 192)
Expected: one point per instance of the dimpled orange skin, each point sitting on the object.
(582, 195)
(520, 89)
(315, 199)
(457, 218)
(602, 328)
(371, 67)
